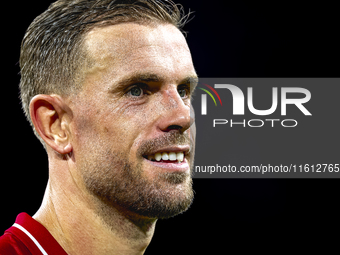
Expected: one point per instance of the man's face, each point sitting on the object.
(134, 108)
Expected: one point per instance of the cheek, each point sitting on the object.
(114, 129)
(130, 117)
(120, 127)
(87, 130)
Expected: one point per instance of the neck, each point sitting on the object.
(82, 224)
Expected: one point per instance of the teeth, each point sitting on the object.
(158, 156)
(172, 156)
(179, 156)
(165, 156)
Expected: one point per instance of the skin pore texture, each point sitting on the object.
(104, 196)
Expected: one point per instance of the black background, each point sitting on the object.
(227, 39)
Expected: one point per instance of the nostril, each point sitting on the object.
(173, 127)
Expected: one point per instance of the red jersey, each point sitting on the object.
(28, 237)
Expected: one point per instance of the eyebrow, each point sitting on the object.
(151, 77)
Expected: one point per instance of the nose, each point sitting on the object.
(176, 114)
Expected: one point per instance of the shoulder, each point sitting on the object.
(26, 237)
(10, 245)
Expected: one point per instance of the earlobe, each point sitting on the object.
(50, 117)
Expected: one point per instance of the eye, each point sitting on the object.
(136, 91)
(183, 92)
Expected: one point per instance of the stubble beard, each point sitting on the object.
(118, 183)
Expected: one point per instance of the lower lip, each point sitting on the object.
(173, 167)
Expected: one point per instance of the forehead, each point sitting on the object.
(131, 47)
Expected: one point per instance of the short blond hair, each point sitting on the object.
(52, 53)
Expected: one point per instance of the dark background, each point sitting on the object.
(227, 39)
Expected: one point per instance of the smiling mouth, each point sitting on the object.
(166, 157)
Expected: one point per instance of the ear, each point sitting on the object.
(51, 118)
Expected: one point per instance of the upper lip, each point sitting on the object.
(176, 148)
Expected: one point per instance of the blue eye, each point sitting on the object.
(182, 92)
(136, 91)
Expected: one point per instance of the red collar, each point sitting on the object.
(35, 236)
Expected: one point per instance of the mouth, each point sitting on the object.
(167, 157)
(173, 158)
